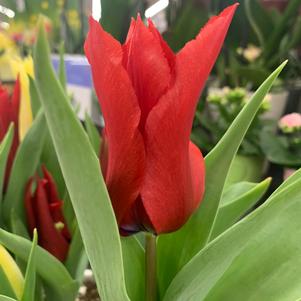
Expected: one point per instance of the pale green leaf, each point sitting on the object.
(176, 249)
(236, 200)
(81, 171)
(93, 134)
(49, 268)
(30, 276)
(5, 298)
(24, 167)
(259, 258)
(134, 266)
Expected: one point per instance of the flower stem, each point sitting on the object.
(151, 271)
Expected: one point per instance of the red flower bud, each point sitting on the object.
(148, 95)
(9, 112)
(44, 212)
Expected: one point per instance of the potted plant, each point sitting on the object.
(213, 120)
(284, 148)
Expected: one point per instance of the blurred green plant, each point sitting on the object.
(221, 108)
(284, 148)
(278, 36)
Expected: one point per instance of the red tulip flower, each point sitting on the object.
(148, 95)
(44, 212)
(9, 112)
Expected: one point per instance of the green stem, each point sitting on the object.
(151, 271)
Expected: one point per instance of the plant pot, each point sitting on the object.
(246, 168)
(278, 102)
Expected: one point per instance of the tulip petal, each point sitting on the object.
(197, 167)
(9, 111)
(147, 66)
(168, 53)
(49, 237)
(168, 193)
(120, 108)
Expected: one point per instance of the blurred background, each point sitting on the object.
(263, 34)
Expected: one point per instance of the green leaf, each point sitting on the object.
(48, 267)
(4, 152)
(5, 286)
(236, 200)
(176, 249)
(134, 266)
(30, 276)
(83, 178)
(245, 168)
(34, 97)
(77, 260)
(24, 167)
(62, 69)
(261, 253)
(93, 134)
(48, 156)
(5, 298)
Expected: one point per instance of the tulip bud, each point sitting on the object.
(12, 272)
(9, 111)
(44, 212)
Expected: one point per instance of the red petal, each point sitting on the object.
(49, 237)
(147, 67)
(50, 186)
(121, 112)
(9, 113)
(168, 194)
(55, 204)
(197, 167)
(169, 55)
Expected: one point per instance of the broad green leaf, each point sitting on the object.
(176, 249)
(68, 211)
(93, 134)
(5, 286)
(48, 267)
(134, 266)
(81, 170)
(48, 156)
(30, 276)
(5, 298)
(245, 168)
(4, 152)
(50, 160)
(62, 69)
(24, 167)
(236, 200)
(34, 97)
(259, 258)
(77, 260)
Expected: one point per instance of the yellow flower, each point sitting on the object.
(6, 42)
(12, 272)
(44, 5)
(24, 68)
